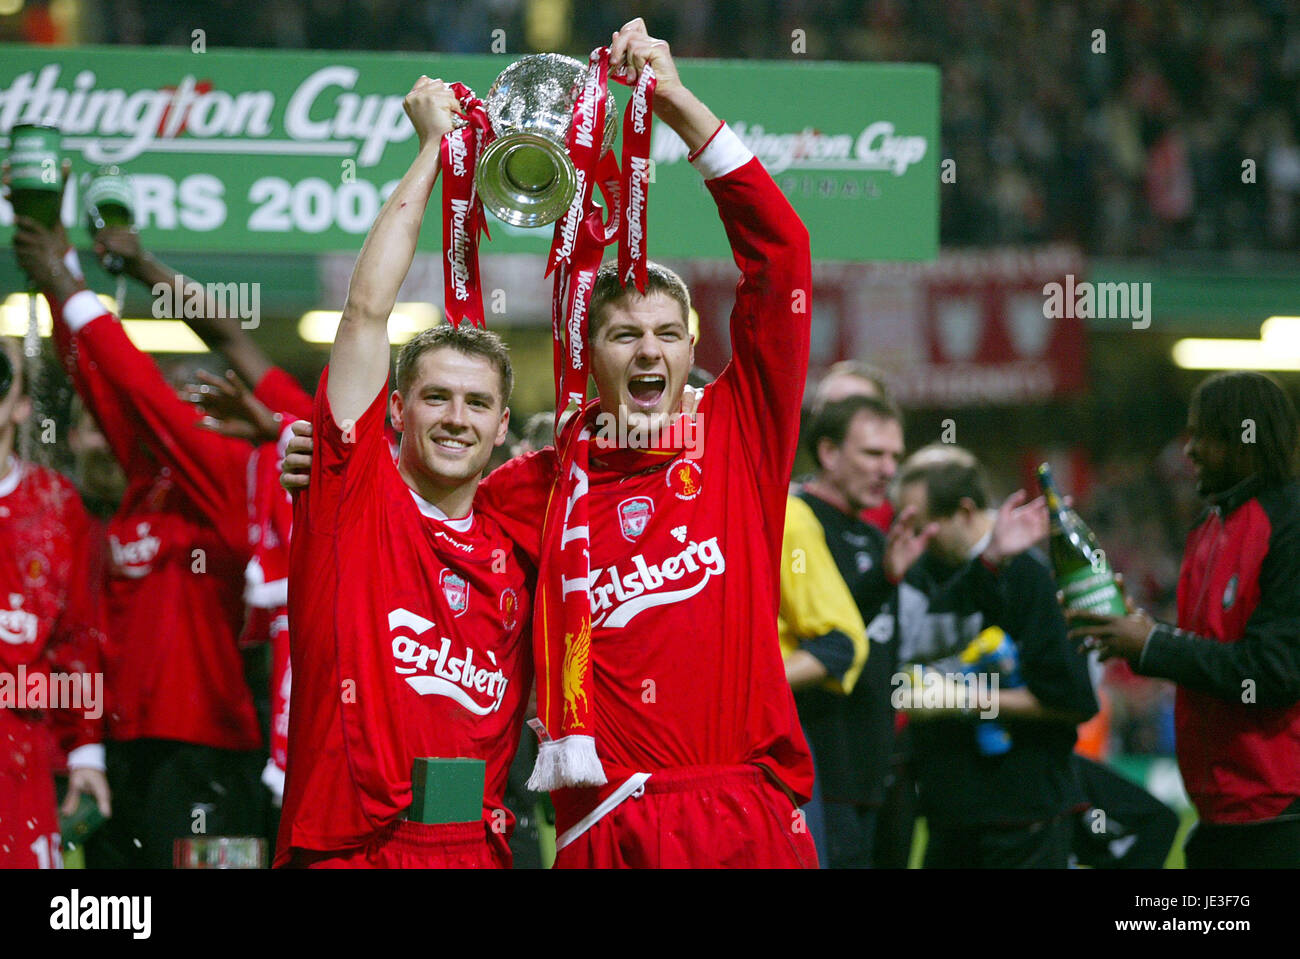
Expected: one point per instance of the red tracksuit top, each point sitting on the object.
(1237, 713)
(685, 558)
(178, 545)
(51, 612)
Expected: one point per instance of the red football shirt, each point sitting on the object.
(685, 558)
(51, 613)
(178, 545)
(408, 639)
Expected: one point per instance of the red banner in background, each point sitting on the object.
(970, 329)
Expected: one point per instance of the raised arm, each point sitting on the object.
(770, 321)
(359, 357)
(221, 334)
(124, 387)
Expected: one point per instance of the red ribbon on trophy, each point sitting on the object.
(636, 179)
(462, 211)
(581, 234)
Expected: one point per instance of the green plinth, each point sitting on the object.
(447, 790)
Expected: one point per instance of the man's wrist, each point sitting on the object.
(62, 285)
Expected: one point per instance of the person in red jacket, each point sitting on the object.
(184, 739)
(281, 401)
(51, 631)
(1235, 653)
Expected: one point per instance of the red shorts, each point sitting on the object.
(29, 819)
(411, 845)
(698, 817)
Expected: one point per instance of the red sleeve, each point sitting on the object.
(77, 639)
(211, 469)
(99, 399)
(282, 394)
(344, 465)
(770, 326)
(516, 494)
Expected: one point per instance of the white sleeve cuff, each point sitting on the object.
(273, 779)
(82, 307)
(89, 756)
(286, 434)
(722, 154)
(73, 264)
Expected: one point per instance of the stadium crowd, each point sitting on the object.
(1109, 123)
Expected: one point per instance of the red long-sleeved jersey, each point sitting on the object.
(685, 582)
(179, 544)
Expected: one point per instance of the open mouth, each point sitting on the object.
(647, 389)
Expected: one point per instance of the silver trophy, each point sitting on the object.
(525, 176)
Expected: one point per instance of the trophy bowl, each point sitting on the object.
(525, 176)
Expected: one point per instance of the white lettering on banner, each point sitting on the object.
(582, 133)
(458, 153)
(952, 383)
(584, 281)
(115, 125)
(877, 147)
(458, 253)
(622, 596)
(880, 149)
(572, 218)
(455, 677)
(639, 172)
(638, 109)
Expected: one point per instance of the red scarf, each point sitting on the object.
(562, 630)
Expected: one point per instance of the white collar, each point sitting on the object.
(982, 545)
(13, 477)
(462, 525)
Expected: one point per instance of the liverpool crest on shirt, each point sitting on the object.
(456, 590)
(633, 515)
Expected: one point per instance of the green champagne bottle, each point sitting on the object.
(35, 173)
(109, 201)
(1080, 565)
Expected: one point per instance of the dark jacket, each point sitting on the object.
(1236, 655)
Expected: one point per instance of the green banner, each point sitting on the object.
(280, 152)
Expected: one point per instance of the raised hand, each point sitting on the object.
(1018, 526)
(125, 242)
(295, 471)
(632, 47)
(904, 544)
(432, 106)
(231, 409)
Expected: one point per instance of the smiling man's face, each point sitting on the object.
(451, 417)
(641, 356)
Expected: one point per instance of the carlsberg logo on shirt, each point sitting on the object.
(433, 671)
(616, 597)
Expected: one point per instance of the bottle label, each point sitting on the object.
(1092, 591)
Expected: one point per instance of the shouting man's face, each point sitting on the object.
(641, 356)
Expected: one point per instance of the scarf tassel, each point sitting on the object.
(565, 762)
